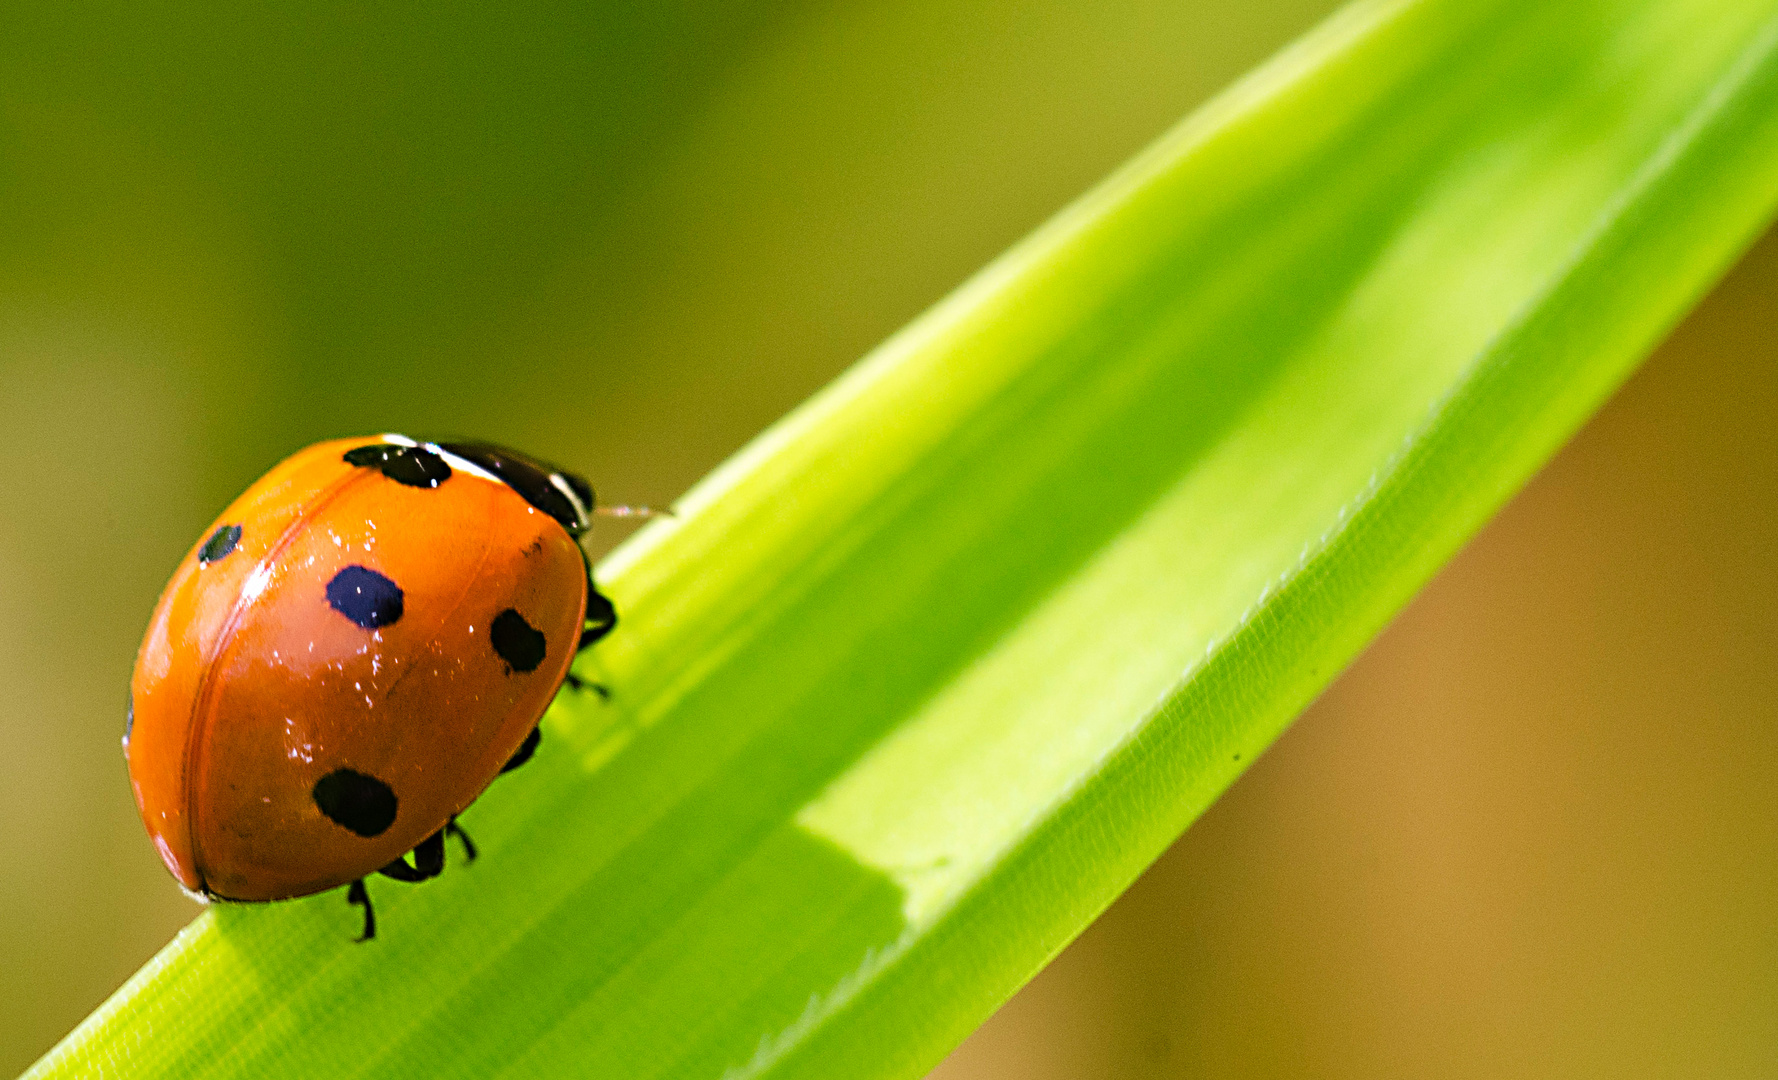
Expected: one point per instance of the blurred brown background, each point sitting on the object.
(1532, 831)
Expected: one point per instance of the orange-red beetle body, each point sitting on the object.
(360, 644)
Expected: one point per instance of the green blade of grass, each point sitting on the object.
(916, 684)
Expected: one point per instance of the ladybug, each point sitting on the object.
(352, 653)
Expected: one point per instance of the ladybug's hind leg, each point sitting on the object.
(360, 896)
(428, 861)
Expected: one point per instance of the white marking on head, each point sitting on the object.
(461, 464)
(580, 508)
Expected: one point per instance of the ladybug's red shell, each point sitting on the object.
(324, 688)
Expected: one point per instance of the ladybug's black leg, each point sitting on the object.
(429, 856)
(401, 871)
(359, 895)
(577, 683)
(524, 752)
(601, 616)
(428, 861)
(456, 830)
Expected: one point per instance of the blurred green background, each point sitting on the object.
(1532, 831)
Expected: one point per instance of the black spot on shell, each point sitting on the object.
(361, 803)
(414, 466)
(519, 643)
(365, 596)
(221, 542)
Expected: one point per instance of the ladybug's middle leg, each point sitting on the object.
(601, 615)
(524, 752)
(601, 618)
(456, 830)
(575, 682)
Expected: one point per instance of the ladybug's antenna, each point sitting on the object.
(630, 512)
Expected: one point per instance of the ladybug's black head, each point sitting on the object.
(561, 495)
